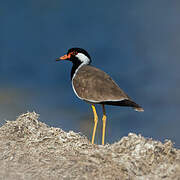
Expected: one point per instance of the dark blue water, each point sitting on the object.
(136, 42)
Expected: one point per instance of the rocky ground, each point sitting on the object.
(30, 150)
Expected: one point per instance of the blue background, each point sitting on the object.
(136, 42)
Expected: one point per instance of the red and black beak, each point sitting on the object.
(65, 57)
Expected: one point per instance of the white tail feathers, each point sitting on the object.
(139, 109)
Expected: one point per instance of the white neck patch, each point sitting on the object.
(83, 58)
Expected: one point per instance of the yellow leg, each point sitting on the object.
(104, 124)
(95, 122)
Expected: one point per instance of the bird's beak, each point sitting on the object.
(64, 57)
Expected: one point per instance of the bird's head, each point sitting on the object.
(76, 55)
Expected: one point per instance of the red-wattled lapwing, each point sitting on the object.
(95, 86)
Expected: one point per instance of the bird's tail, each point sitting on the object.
(139, 109)
(136, 106)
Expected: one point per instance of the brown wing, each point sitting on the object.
(94, 85)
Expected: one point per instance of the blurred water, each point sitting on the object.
(137, 43)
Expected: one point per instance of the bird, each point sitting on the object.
(95, 86)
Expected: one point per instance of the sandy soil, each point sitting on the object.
(30, 149)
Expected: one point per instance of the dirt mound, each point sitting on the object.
(30, 149)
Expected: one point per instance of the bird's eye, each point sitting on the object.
(73, 53)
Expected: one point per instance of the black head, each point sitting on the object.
(79, 50)
(77, 54)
